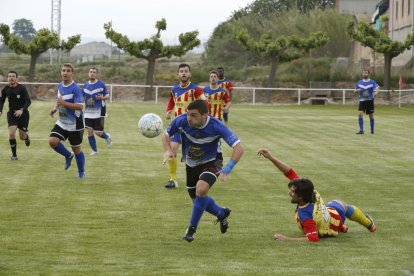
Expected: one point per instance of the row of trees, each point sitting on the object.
(25, 41)
(270, 32)
(265, 32)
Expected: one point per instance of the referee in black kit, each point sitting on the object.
(18, 115)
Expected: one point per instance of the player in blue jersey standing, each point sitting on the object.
(70, 123)
(95, 94)
(201, 134)
(367, 89)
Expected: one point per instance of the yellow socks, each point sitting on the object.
(355, 214)
(172, 168)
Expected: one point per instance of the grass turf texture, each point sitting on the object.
(121, 219)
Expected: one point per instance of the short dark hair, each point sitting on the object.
(94, 68)
(200, 105)
(13, 72)
(220, 68)
(304, 189)
(183, 65)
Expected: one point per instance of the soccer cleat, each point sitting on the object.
(109, 141)
(360, 132)
(189, 234)
(27, 141)
(81, 176)
(93, 152)
(344, 228)
(13, 158)
(69, 160)
(171, 184)
(372, 227)
(224, 224)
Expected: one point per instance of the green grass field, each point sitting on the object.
(121, 219)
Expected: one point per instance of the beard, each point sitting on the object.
(184, 79)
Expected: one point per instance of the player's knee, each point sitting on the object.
(53, 142)
(202, 191)
(206, 180)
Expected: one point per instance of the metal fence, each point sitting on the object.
(246, 95)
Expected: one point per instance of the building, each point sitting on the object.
(361, 10)
(358, 8)
(400, 25)
(91, 51)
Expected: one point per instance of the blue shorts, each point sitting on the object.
(338, 207)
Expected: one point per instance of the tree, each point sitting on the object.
(223, 48)
(281, 49)
(43, 40)
(152, 48)
(378, 41)
(23, 28)
(264, 8)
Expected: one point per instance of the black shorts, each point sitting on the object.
(366, 106)
(74, 137)
(95, 123)
(21, 122)
(208, 172)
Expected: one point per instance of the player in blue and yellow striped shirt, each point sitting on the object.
(314, 218)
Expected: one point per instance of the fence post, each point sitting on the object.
(343, 96)
(156, 94)
(399, 98)
(299, 94)
(110, 93)
(254, 96)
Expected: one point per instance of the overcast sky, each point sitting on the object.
(133, 18)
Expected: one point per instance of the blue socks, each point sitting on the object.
(199, 206)
(372, 123)
(202, 204)
(80, 162)
(104, 135)
(92, 142)
(61, 149)
(80, 158)
(361, 123)
(213, 208)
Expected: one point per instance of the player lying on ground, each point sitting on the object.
(314, 218)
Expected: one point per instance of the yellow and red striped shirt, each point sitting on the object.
(217, 98)
(181, 97)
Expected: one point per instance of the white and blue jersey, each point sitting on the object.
(367, 88)
(201, 145)
(94, 108)
(69, 119)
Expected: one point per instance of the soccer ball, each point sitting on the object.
(150, 125)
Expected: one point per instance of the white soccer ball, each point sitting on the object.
(150, 125)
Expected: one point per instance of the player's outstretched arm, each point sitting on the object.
(283, 167)
(280, 237)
